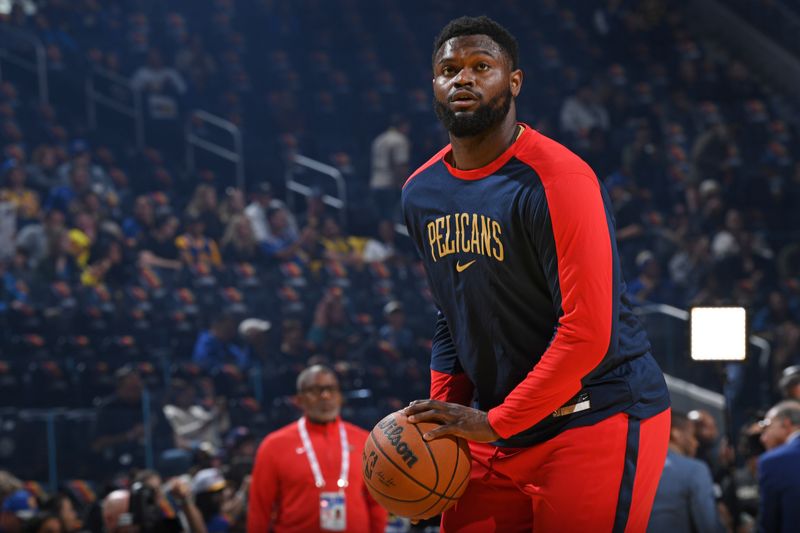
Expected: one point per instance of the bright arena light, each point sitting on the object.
(718, 333)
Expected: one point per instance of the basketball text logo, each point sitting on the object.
(394, 434)
(369, 463)
(465, 233)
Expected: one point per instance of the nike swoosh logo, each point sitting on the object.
(462, 268)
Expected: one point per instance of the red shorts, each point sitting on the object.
(598, 478)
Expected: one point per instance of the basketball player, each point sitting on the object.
(307, 475)
(537, 358)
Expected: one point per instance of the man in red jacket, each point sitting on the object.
(302, 480)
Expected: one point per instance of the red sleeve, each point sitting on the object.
(585, 278)
(454, 388)
(263, 489)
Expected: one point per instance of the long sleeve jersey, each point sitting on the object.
(534, 325)
(283, 496)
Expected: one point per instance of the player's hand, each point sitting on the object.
(455, 419)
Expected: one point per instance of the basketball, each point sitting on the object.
(409, 476)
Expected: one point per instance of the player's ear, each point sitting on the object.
(296, 401)
(515, 82)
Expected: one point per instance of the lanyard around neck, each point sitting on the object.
(319, 481)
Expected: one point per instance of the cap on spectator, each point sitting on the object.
(255, 324)
(790, 377)
(21, 503)
(208, 480)
(392, 307)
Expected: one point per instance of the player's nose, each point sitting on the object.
(465, 77)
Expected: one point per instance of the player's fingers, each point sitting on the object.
(441, 431)
(430, 416)
(417, 406)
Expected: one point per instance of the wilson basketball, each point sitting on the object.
(409, 476)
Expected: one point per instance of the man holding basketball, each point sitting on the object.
(537, 359)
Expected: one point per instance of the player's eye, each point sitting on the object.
(482, 66)
(447, 70)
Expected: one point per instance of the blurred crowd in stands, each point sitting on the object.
(168, 313)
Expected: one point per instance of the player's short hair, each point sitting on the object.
(482, 25)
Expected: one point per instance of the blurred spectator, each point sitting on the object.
(395, 332)
(239, 244)
(193, 424)
(161, 85)
(390, 158)
(745, 482)
(583, 112)
(208, 487)
(285, 496)
(215, 346)
(44, 523)
(347, 249)
(82, 236)
(62, 507)
(650, 286)
(14, 190)
(685, 497)
(17, 509)
(316, 210)
(198, 251)
(203, 206)
(164, 507)
(138, 226)
(790, 383)
(711, 152)
(713, 448)
(120, 430)
(62, 197)
(780, 423)
(156, 77)
(256, 211)
(254, 332)
(158, 248)
(232, 206)
(81, 160)
(8, 484)
(36, 237)
(384, 248)
(117, 516)
(60, 263)
(332, 331)
(240, 444)
(108, 268)
(42, 170)
(284, 243)
(779, 469)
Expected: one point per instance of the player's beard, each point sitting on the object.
(475, 123)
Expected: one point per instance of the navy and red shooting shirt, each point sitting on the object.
(534, 325)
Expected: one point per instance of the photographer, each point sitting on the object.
(154, 511)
